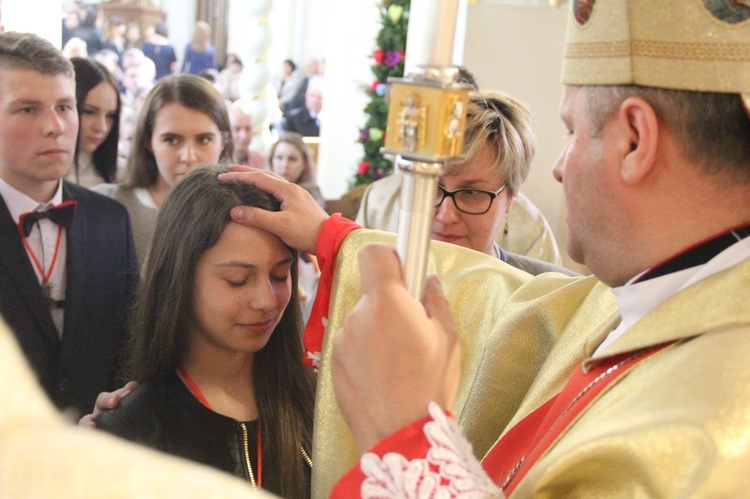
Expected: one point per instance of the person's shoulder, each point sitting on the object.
(106, 189)
(97, 196)
(138, 409)
(115, 192)
(384, 191)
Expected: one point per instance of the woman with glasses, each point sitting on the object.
(499, 145)
(474, 197)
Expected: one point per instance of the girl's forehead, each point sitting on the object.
(287, 145)
(253, 246)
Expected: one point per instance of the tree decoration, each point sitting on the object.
(395, 12)
(388, 60)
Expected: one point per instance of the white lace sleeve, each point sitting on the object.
(449, 470)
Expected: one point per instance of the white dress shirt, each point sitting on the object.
(41, 242)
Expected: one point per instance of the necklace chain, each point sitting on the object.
(305, 455)
(246, 447)
(247, 456)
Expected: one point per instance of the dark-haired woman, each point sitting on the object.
(98, 102)
(217, 343)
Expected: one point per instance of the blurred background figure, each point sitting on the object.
(137, 77)
(159, 49)
(291, 158)
(287, 84)
(111, 61)
(305, 120)
(199, 53)
(229, 78)
(98, 103)
(114, 37)
(314, 67)
(128, 120)
(242, 135)
(75, 47)
(131, 56)
(71, 20)
(133, 36)
(89, 30)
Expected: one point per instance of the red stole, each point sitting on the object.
(518, 450)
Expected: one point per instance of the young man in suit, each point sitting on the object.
(67, 261)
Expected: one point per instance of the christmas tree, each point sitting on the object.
(388, 60)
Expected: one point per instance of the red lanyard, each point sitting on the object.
(199, 395)
(39, 266)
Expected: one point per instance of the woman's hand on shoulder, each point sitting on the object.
(104, 402)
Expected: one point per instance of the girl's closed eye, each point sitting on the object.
(236, 283)
(237, 278)
(280, 277)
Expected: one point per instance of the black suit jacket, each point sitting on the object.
(102, 274)
(299, 120)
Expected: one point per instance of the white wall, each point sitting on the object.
(23, 15)
(348, 47)
(300, 30)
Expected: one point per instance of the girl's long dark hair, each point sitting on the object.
(190, 222)
(90, 73)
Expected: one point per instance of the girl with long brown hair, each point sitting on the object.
(217, 342)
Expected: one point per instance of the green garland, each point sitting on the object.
(388, 60)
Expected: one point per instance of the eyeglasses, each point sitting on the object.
(471, 201)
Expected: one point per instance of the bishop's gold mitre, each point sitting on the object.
(698, 45)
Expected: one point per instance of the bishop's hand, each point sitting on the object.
(300, 219)
(394, 355)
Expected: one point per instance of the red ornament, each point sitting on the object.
(374, 85)
(364, 167)
(379, 56)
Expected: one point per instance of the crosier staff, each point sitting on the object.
(426, 121)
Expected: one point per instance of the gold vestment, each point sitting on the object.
(679, 424)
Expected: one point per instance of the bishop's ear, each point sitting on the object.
(641, 125)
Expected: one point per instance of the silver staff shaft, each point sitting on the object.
(416, 210)
(426, 119)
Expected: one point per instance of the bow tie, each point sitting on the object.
(61, 214)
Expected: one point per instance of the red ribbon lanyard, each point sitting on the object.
(199, 395)
(39, 266)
